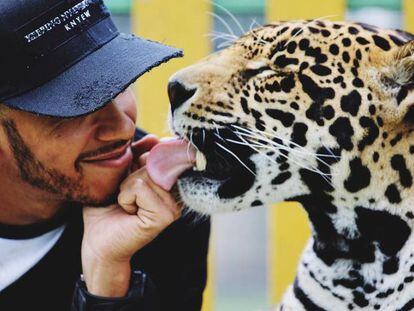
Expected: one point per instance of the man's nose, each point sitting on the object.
(179, 94)
(114, 124)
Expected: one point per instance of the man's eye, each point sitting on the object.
(55, 123)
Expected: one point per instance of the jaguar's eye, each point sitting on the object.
(250, 73)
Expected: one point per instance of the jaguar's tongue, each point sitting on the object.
(168, 160)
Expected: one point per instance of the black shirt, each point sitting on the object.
(175, 262)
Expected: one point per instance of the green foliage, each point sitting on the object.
(252, 7)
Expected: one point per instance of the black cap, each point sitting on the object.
(66, 58)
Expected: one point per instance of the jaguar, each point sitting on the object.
(321, 113)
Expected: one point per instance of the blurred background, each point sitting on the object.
(253, 254)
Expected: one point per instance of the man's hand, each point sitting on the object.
(114, 234)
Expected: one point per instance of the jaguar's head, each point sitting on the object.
(295, 110)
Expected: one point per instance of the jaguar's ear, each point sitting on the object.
(397, 80)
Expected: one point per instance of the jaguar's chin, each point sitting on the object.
(202, 195)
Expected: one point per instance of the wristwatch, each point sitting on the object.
(140, 297)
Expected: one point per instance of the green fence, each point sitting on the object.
(119, 6)
(386, 4)
(258, 6)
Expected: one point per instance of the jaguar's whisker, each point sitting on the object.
(302, 158)
(226, 39)
(221, 36)
(231, 15)
(307, 24)
(295, 35)
(225, 24)
(224, 45)
(303, 151)
(300, 162)
(256, 37)
(198, 217)
(253, 24)
(236, 157)
(284, 140)
(310, 168)
(216, 127)
(318, 156)
(214, 39)
(332, 155)
(248, 144)
(252, 147)
(329, 150)
(221, 156)
(280, 146)
(219, 137)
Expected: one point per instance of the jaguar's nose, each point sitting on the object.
(179, 94)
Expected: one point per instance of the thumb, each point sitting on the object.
(144, 145)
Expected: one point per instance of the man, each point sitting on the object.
(67, 141)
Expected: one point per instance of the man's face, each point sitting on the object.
(79, 160)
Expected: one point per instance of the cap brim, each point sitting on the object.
(94, 81)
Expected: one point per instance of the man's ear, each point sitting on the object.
(397, 79)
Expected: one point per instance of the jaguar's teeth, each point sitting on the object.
(201, 162)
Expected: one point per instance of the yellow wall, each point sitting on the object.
(288, 233)
(288, 223)
(305, 9)
(409, 15)
(184, 24)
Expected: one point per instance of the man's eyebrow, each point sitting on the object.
(52, 119)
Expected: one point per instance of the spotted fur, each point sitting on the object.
(321, 113)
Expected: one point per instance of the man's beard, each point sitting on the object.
(50, 180)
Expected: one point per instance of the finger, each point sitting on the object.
(130, 209)
(163, 194)
(129, 189)
(131, 178)
(152, 206)
(139, 163)
(141, 147)
(142, 161)
(144, 145)
(127, 198)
